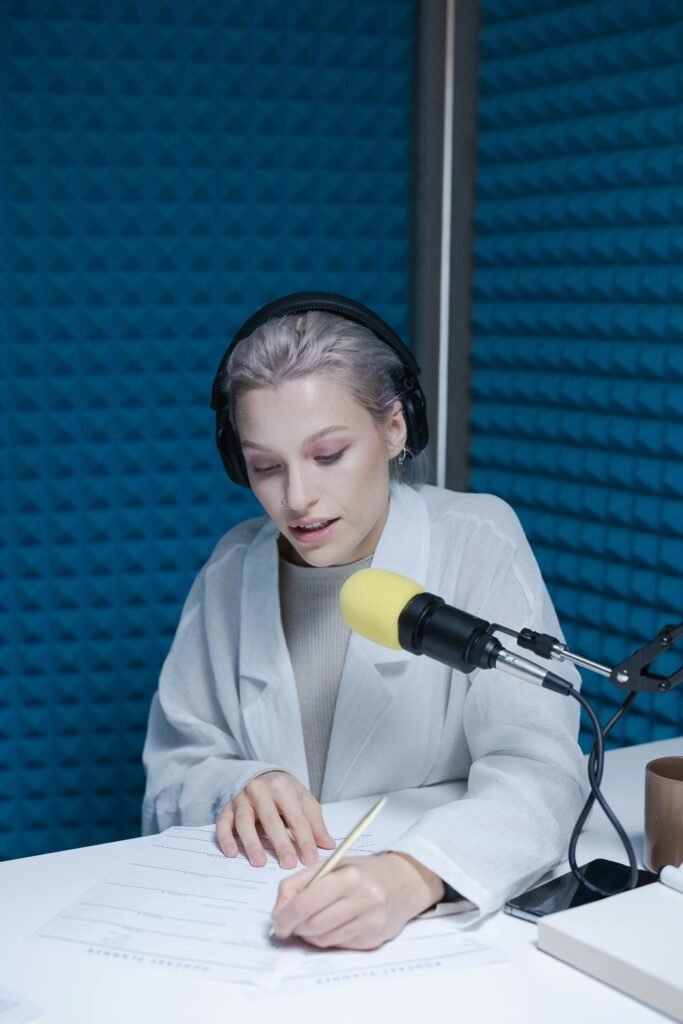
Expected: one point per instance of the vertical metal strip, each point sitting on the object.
(445, 275)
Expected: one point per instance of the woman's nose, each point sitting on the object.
(300, 491)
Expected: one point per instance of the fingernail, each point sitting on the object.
(289, 861)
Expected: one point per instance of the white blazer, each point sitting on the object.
(227, 706)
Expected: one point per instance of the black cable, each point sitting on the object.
(596, 760)
(593, 761)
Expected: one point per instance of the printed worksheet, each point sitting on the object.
(180, 904)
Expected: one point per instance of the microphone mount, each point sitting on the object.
(633, 673)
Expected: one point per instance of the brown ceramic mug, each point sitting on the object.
(663, 812)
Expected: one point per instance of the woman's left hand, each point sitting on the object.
(359, 905)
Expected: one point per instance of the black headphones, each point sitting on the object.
(409, 390)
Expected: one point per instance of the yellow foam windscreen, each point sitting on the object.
(371, 601)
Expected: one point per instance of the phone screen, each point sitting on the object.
(566, 891)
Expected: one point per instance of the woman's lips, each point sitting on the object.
(309, 536)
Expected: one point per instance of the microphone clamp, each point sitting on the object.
(633, 673)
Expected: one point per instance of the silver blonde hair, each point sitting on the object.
(295, 346)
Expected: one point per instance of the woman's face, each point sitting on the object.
(309, 445)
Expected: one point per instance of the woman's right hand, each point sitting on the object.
(277, 802)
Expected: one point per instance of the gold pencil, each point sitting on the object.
(334, 858)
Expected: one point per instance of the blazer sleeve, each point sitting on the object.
(193, 754)
(526, 783)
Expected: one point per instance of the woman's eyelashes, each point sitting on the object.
(327, 457)
(323, 458)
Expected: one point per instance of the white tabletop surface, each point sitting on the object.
(530, 987)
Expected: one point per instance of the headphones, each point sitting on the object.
(409, 390)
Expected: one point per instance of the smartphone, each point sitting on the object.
(566, 891)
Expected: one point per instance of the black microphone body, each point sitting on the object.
(455, 638)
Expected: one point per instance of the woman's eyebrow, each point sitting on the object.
(323, 433)
(309, 440)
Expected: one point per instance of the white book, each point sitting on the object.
(633, 941)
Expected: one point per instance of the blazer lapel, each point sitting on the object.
(268, 696)
(364, 694)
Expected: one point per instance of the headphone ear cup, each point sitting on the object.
(415, 415)
(230, 450)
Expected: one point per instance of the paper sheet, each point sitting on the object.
(15, 1010)
(179, 903)
(672, 876)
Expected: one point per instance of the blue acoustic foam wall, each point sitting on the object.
(578, 324)
(165, 168)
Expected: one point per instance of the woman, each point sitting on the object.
(266, 705)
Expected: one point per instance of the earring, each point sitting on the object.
(402, 456)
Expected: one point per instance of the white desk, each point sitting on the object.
(531, 987)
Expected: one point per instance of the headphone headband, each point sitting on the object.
(414, 404)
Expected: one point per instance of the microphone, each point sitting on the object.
(396, 612)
